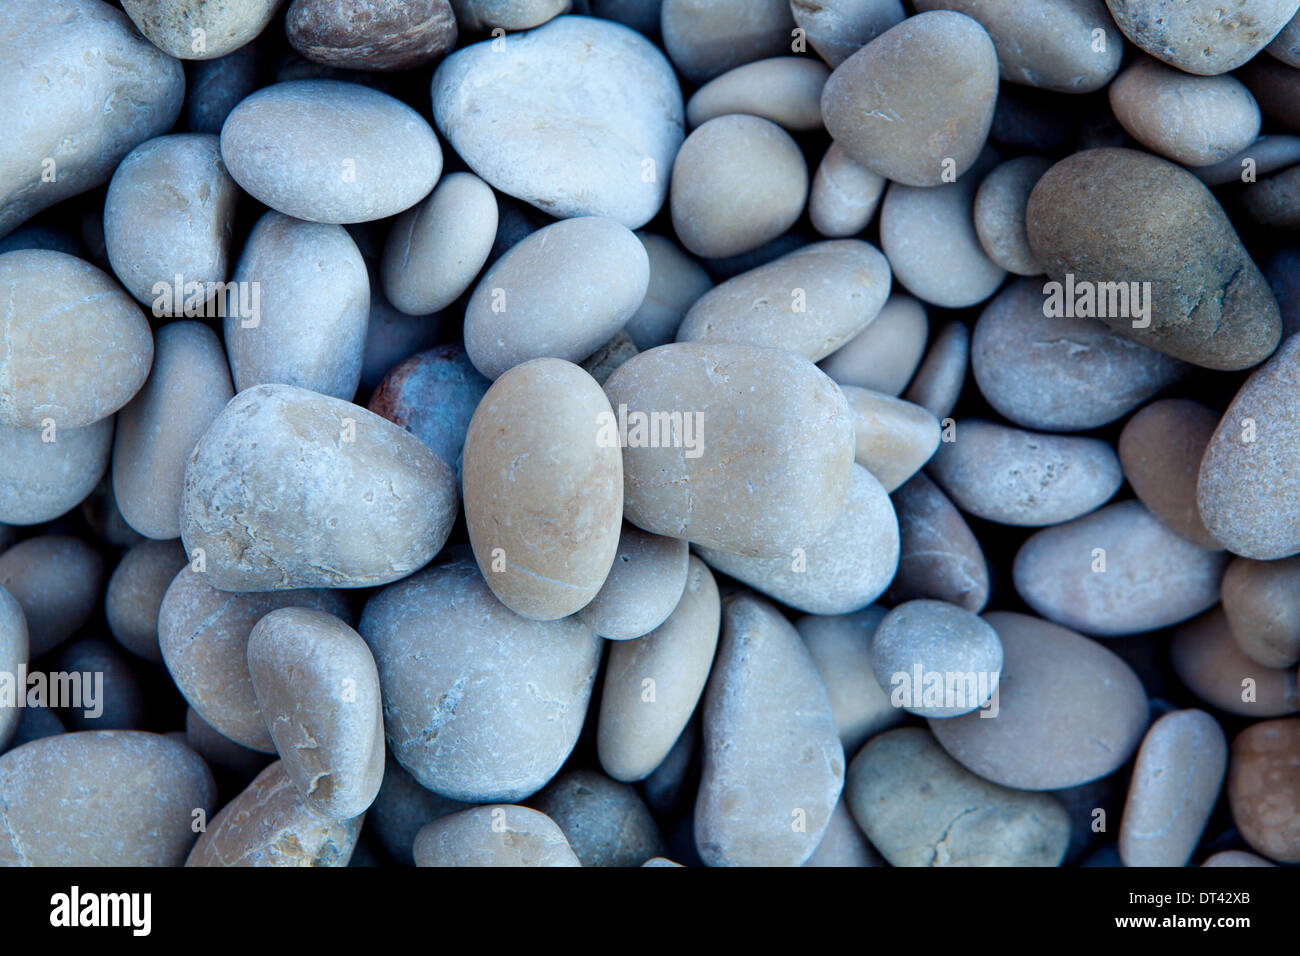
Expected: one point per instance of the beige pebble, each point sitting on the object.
(1264, 788)
(939, 556)
(605, 821)
(194, 30)
(785, 89)
(318, 691)
(135, 593)
(894, 437)
(1000, 213)
(1160, 450)
(1175, 786)
(57, 580)
(921, 639)
(270, 824)
(203, 637)
(773, 762)
(676, 282)
(745, 406)
(737, 182)
(919, 807)
(543, 486)
(187, 388)
(1211, 665)
(939, 381)
(844, 196)
(497, 835)
(1205, 37)
(41, 480)
(884, 355)
(644, 585)
(1262, 602)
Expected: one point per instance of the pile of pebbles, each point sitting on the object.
(649, 432)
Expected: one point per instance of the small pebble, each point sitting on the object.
(1264, 788)
(135, 594)
(1212, 666)
(894, 437)
(605, 821)
(925, 637)
(705, 38)
(785, 89)
(371, 34)
(498, 835)
(41, 480)
(844, 196)
(57, 580)
(883, 356)
(999, 213)
(1261, 600)
(939, 381)
(939, 557)
(676, 283)
(644, 585)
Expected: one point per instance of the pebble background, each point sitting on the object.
(578, 432)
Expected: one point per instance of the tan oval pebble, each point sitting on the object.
(175, 25)
(809, 302)
(894, 437)
(884, 355)
(1024, 478)
(1152, 577)
(785, 89)
(1246, 491)
(676, 282)
(135, 593)
(1211, 665)
(562, 292)
(1236, 858)
(844, 844)
(929, 235)
(402, 808)
(1195, 120)
(187, 388)
(270, 824)
(13, 657)
(41, 480)
(435, 250)
(1160, 450)
(745, 406)
(306, 323)
(318, 690)
(839, 28)
(640, 722)
(543, 488)
(1070, 46)
(939, 381)
(707, 37)
(919, 807)
(1262, 602)
(1205, 37)
(844, 194)
(497, 835)
(773, 762)
(1060, 373)
(101, 798)
(1000, 213)
(1176, 783)
(843, 569)
(936, 659)
(57, 580)
(203, 637)
(939, 556)
(1067, 711)
(480, 704)
(605, 821)
(644, 585)
(371, 34)
(170, 211)
(737, 182)
(77, 347)
(841, 648)
(1264, 788)
(289, 488)
(917, 101)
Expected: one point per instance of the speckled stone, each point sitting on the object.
(919, 807)
(939, 556)
(203, 637)
(1210, 664)
(1160, 450)
(1000, 213)
(77, 347)
(371, 34)
(837, 29)
(676, 282)
(920, 93)
(1068, 711)
(101, 798)
(328, 494)
(1176, 783)
(938, 382)
(187, 388)
(57, 580)
(884, 355)
(1152, 577)
(1264, 788)
(755, 405)
(930, 637)
(1060, 373)
(605, 821)
(1262, 602)
(1209, 304)
(737, 182)
(894, 437)
(497, 835)
(13, 656)
(707, 37)
(640, 722)
(329, 151)
(198, 30)
(644, 585)
(270, 824)
(562, 292)
(306, 323)
(543, 490)
(1024, 478)
(844, 195)
(784, 89)
(773, 762)
(614, 118)
(479, 703)
(40, 480)
(436, 249)
(135, 593)
(809, 302)
(1205, 37)
(118, 90)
